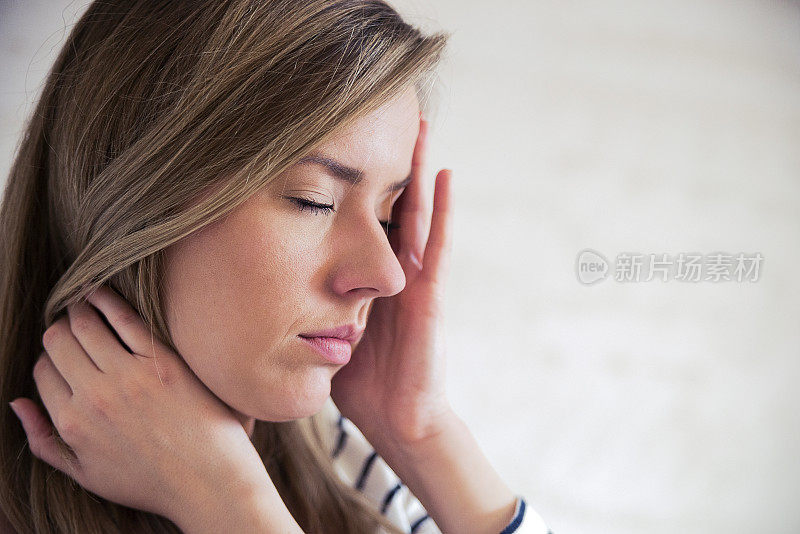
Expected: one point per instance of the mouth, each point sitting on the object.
(348, 332)
(333, 349)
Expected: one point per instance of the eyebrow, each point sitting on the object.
(348, 174)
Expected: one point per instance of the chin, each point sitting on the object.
(303, 401)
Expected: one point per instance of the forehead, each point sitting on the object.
(382, 140)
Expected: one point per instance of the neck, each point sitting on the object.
(249, 423)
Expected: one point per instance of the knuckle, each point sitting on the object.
(98, 403)
(162, 370)
(40, 365)
(131, 389)
(55, 332)
(172, 370)
(50, 336)
(81, 324)
(168, 371)
(94, 401)
(126, 318)
(69, 428)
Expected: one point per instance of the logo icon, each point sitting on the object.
(590, 267)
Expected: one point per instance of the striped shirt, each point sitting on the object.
(359, 466)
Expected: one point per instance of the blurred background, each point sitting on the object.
(648, 127)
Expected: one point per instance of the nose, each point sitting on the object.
(366, 262)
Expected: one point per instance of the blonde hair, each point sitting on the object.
(150, 106)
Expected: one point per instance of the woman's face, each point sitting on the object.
(240, 291)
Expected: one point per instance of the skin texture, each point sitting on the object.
(240, 290)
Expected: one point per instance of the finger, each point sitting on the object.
(42, 439)
(412, 209)
(54, 390)
(96, 338)
(437, 250)
(125, 321)
(67, 354)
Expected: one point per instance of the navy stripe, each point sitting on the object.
(388, 498)
(340, 443)
(517, 520)
(418, 522)
(365, 470)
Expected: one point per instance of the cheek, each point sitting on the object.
(235, 296)
(230, 275)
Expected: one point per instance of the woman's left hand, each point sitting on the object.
(393, 388)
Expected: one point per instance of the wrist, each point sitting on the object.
(452, 478)
(242, 506)
(409, 448)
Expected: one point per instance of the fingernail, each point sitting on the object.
(14, 408)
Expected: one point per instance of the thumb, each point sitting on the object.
(41, 438)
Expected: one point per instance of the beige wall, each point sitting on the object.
(649, 127)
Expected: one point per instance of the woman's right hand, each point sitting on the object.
(145, 432)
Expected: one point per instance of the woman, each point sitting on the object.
(194, 235)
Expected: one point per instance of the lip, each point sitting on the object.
(348, 332)
(334, 344)
(333, 349)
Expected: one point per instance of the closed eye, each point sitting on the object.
(315, 207)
